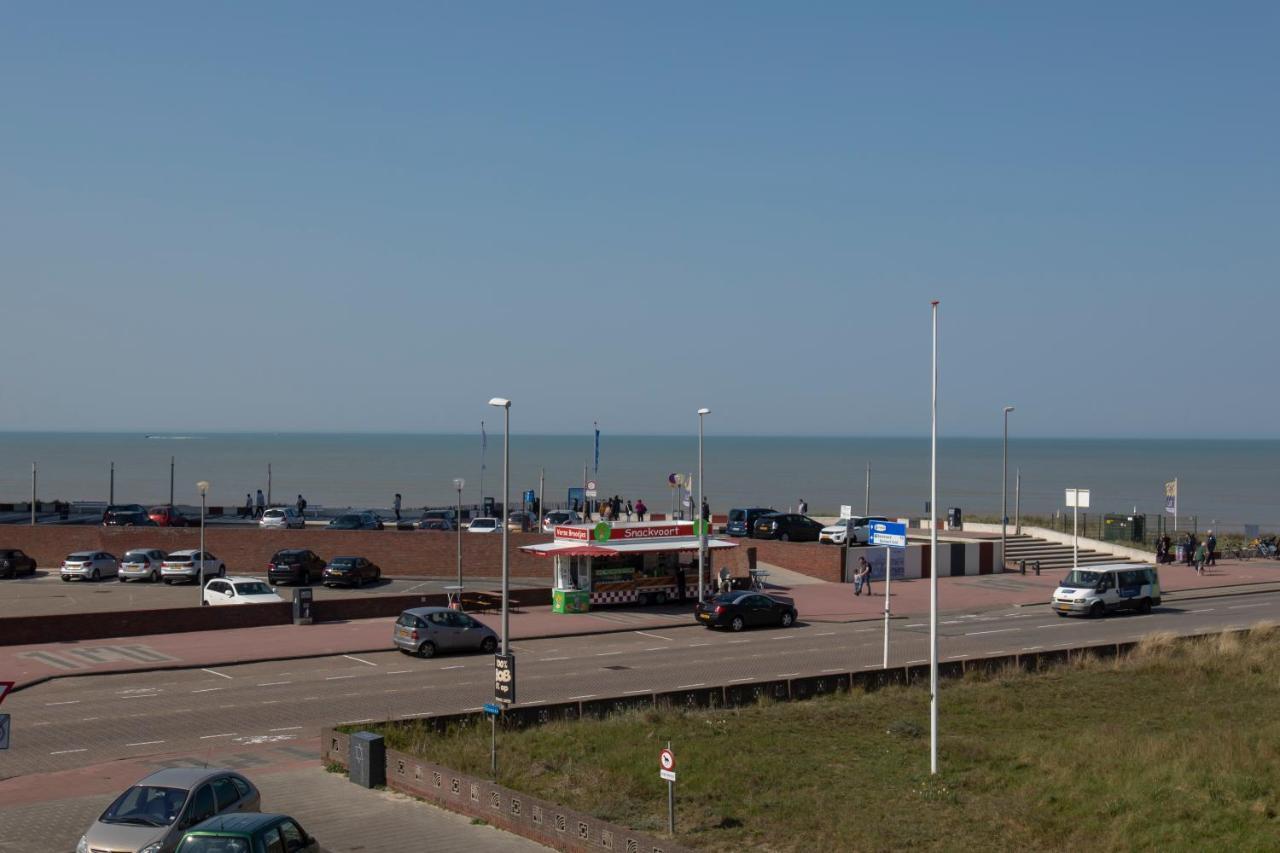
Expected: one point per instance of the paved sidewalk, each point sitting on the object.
(816, 601)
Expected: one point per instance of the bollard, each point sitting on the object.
(1022, 566)
(1037, 568)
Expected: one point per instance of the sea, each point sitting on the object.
(1223, 483)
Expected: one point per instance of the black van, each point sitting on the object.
(743, 521)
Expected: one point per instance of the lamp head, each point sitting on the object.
(500, 402)
(704, 411)
(1008, 409)
(458, 483)
(203, 487)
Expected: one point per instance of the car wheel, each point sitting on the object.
(1061, 615)
(659, 598)
(1097, 610)
(204, 604)
(155, 577)
(788, 619)
(488, 645)
(65, 579)
(784, 537)
(737, 624)
(95, 577)
(1145, 606)
(427, 650)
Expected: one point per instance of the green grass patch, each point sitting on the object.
(1174, 747)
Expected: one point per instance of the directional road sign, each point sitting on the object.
(889, 533)
(492, 709)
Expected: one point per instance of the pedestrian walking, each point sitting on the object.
(1210, 547)
(259, 505)
(866, 578)
(301, 505)
(860, 575)
(395, 505)
(248, 506)
(630, 510)
(1198, 559)
(641, 509)
(706, 511)
(802, 507)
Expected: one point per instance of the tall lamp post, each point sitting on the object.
(505, 405)
(203, 486)
(702, 527)
(458, 483)
(1004, 489)
(933, 555)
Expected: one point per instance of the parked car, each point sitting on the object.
(738, 610)
(153, 815)
(167, 516)
(128, 519)
(142, 564)
(484, 525)
(787, 527)
(373, 518)
(519, 521)
(294, 565)
(282, 518)
(248, 833)
(742, 521)
(857, 529)
(186, 566)
(424, 631)
(435, 524)
(556, 517)
(350, 571)
(355, 521)
(126, 509)
(89, 565)
(221, 591)
(14, 563)
(437, 515)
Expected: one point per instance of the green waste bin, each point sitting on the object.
(570, 601)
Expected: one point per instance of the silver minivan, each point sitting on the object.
(1096, 590)
(424, 631)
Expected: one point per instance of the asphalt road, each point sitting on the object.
(76, 722)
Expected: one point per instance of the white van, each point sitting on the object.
(1094, 590)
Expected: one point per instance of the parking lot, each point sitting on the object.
(46, 593)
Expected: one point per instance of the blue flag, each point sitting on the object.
(597, 466)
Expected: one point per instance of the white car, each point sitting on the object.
(856, 528)
(556, 517)
(89, 565)
(484, 525)
(282, 517)
(239, 591)
(185, 566)
(141, 564)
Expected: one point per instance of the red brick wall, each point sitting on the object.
(808, 558)
(246, 550)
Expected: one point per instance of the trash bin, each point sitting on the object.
(302, 605)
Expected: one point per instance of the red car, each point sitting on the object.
(167, 516)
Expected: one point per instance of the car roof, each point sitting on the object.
(185, 552)
(423, 611)
(240, 579)
(292, 551)
(1112, 567)
(240, 822)
(182, 777)
(345, 557)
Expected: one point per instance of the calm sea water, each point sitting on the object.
(1230, 482)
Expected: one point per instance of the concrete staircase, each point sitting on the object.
(1052, 555)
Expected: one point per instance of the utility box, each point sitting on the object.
(367, 760)
(302, 605)
(954, 519)
(1123, 528)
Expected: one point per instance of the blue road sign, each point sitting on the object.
(491, 708)
(889, 533)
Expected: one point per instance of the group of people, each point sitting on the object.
(614, 508)
(1196, 554)
(254, 507)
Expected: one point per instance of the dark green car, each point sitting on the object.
(248, 833)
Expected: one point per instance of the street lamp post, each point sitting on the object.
(505, 405)
(203, 486)
(458, 483)
(933, 556)
(1004, 489)
(702, 528)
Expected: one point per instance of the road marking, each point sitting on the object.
(745, 678)
(1001, 652)
(363, 720)
(656, 649)
(68, 702)
(206, 690)
(787, 674)
(140, 696)
(90, 719)
(826, 634)
(273, 683)
(545, 660)
(952, 622)
(1055, 625)
(606, 654)
(922, 660)
(337, 677)
(399, 671)
(633, 692)
(994, 631)
(215, 672)
(584, 696)
(832, 670)
(224, 734)
(144, 743)
(1031, 648)
(954, 657)
(1243, 606)
(735, 642)
(455, 666)
(360, 660)
(67, 751)
(695, 645)
(1205, 610)
(788, 637)
(691, 686)
(535, 702)
(655, 636)
(916, 625)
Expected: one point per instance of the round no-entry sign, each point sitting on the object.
(667, 759)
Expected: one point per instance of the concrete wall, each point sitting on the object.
(1124, 552)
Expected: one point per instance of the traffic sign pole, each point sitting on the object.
(667, 763)
(888, 576)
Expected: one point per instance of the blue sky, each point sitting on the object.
(376, 216)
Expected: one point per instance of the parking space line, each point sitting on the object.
(583, 696)
(215, 672)
(144, 743)
(398, 671)
(224, 734)
(993, 631)
(337, 677)
(454, 666)
(691, 686)
(68, 702)
(360, 660)
(206, 690)
(922, 660)
(273, 683)
(67, 751)
(633, 692)
(787, 674)
(655, 636)
(745, 678)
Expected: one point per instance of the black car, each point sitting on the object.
(738, 610)
(129, 519)
(14, 563)
(350, 571)
(787, 527)
(435, 524)
(356, 521)
(742, 522)
(294, 565)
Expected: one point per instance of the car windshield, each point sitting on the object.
(1077, 578)
(253, 588)
(213, 844)
(80, 557)
(347, 519)
(274, 513)
(146, 805)
(484, 522)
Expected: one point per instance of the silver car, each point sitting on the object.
(89, 565)
(152, 816)
(185, 566)
(141, 564)
(424, 631)
(285, 517)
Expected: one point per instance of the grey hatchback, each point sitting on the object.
(424, 631)
(153, 815)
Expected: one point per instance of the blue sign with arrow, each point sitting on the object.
(890, 533)
(491, 708)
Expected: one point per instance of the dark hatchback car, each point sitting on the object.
(167, 516)
(350, 571)
(738, 610)
(129, 515)
(248, 833)
(787, 527)
(294, 565)
(355, 521)
(742, 521)
(14, 563)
